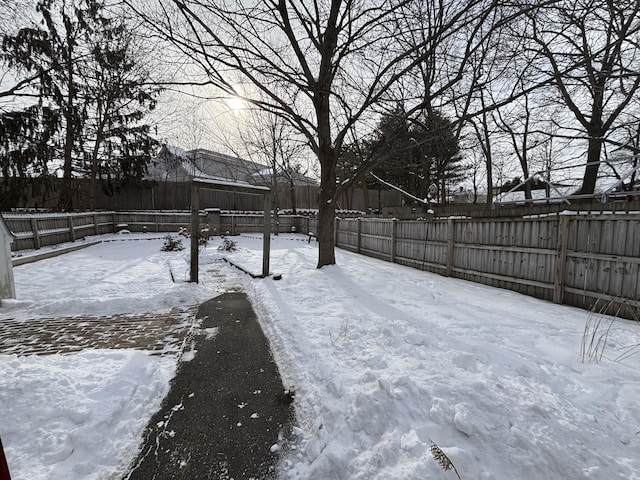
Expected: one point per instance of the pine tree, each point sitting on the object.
(84, 74)
(395, 151)
(414, 154)
(436, 136)
(25, 151)
(117, 102)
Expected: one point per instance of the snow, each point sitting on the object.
(124, 274)
(78, 416)
(386, 362)
(177, 151)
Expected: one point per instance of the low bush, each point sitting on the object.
(172, 244)
(228, 245)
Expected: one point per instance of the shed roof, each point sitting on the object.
(242, 187)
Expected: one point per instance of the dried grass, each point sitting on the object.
(597, 328)
(443, 460)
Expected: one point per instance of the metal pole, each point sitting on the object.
(195, 230)
(266, 241)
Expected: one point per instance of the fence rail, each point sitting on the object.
(577, 260)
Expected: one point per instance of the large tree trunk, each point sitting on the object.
(527, 183)
(593, 165)
(328, 157)
(488, 159)
(365, 194)
(65, 202)
(327, 208)
(489, 200)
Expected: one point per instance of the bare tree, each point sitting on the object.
(496, 79)
(266, 140)
(275, 142)
(321, 66)
(517, 125)
(590, 48)
(482, 134)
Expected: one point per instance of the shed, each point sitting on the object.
(7, 287)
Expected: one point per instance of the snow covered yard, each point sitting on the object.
(81, 416)
(385, 360)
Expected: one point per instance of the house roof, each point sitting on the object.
(178, 165)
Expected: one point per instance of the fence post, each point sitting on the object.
(266, 236)
(358, 234)
(96, 229)
(115, 223)
(450, 240)
(36, 235)
(394, 236)
(561, 259)
(195, 228)
(72, 233)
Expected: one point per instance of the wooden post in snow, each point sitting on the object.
(266, 240)
(195, 230)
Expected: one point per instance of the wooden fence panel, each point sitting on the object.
(603, 263)
(40, 230)
(103, 223)
(421, 244)
(21, 227)
(36, 231)
(376, 238)
(236, 224)
(156, 222)
(577, 259)
(507, 254)
(347, 233)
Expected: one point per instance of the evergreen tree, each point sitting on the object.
(25, 151)
(393, 146)
(117, 101)
(415, 155)
(436, 136)
(85, 76)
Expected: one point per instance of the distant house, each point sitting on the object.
(174, 164)
(7, 288)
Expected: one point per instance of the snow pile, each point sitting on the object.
(78, 416)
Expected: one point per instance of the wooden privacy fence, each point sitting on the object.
(41, 230)
(34, 231)
(234, 224)
(573, 259)
(577, 260)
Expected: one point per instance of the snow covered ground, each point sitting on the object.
(386, 362)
